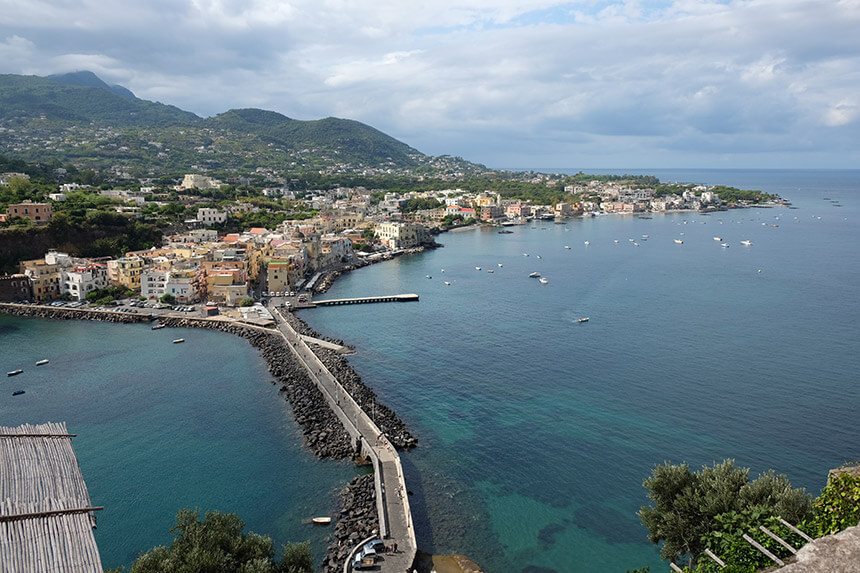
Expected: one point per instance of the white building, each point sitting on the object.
(81, 280)
(196, 181)
(210, 216)
(400, 235)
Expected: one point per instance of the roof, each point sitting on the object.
(46, 518)
(257, 230)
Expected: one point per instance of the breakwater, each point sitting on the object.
(323, 432)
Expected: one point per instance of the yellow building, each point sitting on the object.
(45, 277)
(126, 271)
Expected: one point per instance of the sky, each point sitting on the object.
(506, 83)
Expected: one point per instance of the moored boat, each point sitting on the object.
(17, 392)
(582, 319)
(321, 520)
(746, 243)
(41, 362)
(534, 275)
(158, 326)
(14, 372)
(679, 242)
(178, 340)
(491, 271)
(543, 280)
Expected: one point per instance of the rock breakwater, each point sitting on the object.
(63, 313)
(357, 521)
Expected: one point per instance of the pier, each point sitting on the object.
(367, 299)
(392, 501)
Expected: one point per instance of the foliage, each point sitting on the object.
(837, 507)
(727, 541)
(419, 204)
(734, 195)
(247, 301)
(109, 293)
(167, 298)
(687, 504)
(218, 545)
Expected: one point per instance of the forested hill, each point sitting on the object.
(78, 118)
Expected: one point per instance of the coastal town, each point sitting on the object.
(200, 263)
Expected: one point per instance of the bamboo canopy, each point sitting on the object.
(46, 516)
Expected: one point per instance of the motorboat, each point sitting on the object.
(543, 280)
(582, 319)
(17, 392)
(41, 362)
(587, 243)
(718, 239)
(746, 243)
(429, 277)
(567, 246)
(447, 283)
(490, 271)
(158, 326)
(178, 340)
(500, 265)
(679, 242)
(14, 372)
(321, 520)
(534, 275)
(477, 268)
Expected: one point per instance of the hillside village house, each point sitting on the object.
(16, 288)
(39, 213)
(126, 271)
(210, 216)
(45, 277)
(196, 181)
(399, 235)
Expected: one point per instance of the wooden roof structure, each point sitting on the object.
(46, 516)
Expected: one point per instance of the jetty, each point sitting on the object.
(392, 502)
(46, 516)
(367, 299)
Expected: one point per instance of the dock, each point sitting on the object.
(367, 299)
(392, 501)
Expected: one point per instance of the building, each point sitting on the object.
(399, 235)
(196, 181)
(211, 216)
(45, 277)
(16, 288)
(279, 276)
(39, 213)
(126, 271)
(81, 280)
(491, 212)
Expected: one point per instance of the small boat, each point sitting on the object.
(538, 256)
(534, 275)
(718, 238)
(158, 326)
(616, 241)
(178, 340)
(635, 244)
(568, 246)
(443, 270)
(644, 236)
(429, 277)
(746, 243)
(17, 392)
(447, 283)
(724, 245)
(543, 280)
(491, 271)
(500, 265)
(506, 232)
(587, 243)
(679, 242)
(321, 520)
(582, 319)
(477, 268)
(41, 362)
(525, 254)
(14, 372)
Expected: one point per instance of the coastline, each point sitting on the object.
(323, 433)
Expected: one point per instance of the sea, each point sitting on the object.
(536, 430)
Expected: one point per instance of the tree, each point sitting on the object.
(247, 301)
(297, 558)
(168, 298)
(687, 505)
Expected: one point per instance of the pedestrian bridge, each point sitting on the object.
(367, 299)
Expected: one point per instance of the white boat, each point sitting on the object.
(567, 246)
(14, 372)
(746, 243)
(500, 265)
(583, 319)
(40, 362)
(477, 268)
(644, 236)
(178, 340)
(635, 244)
(538, 256)
(158, 326)
(724, 245)
(321, 520)
(443, 270)
(616, 240)
(718, 238)
(543, 280)
(447, 283)
(429, 277)
(534, 275)
(587, 243)
(679, 242)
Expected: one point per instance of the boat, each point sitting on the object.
(17, 392)
(477, 268)
(587, 243)
(746, 243)
(178, 340)
(41, 362)
(500, 265)
(538, 256)
(534, 275)
(447, 283)
(582, 319)
(644, 236)
(14, 372)
(616, 241)
(490, 271)
(635, 244)
(429, 277)
(718, 238)
(543, 280)
(443, 270)
(679, 242)
(158, 326)
(506, 232)
(321, 520)
(567, 246)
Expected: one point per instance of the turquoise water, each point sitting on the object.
(163, 426)
(537, 431)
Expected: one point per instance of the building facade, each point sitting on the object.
(39, 213)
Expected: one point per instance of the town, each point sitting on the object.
(339, 229)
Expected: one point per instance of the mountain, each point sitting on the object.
(80, 119)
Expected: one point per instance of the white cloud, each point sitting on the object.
(484, 78)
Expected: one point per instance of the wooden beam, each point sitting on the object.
(675, 567)
(758, 546)
(38, 435)
(796, 530)
(48, 513)
(710, 554)
(776, 538)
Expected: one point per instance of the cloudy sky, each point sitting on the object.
(507, 83)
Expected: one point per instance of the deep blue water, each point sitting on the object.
(164, 426)
(536, 431)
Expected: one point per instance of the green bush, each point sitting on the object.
(838, 506)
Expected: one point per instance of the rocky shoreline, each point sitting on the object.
(323, 432)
